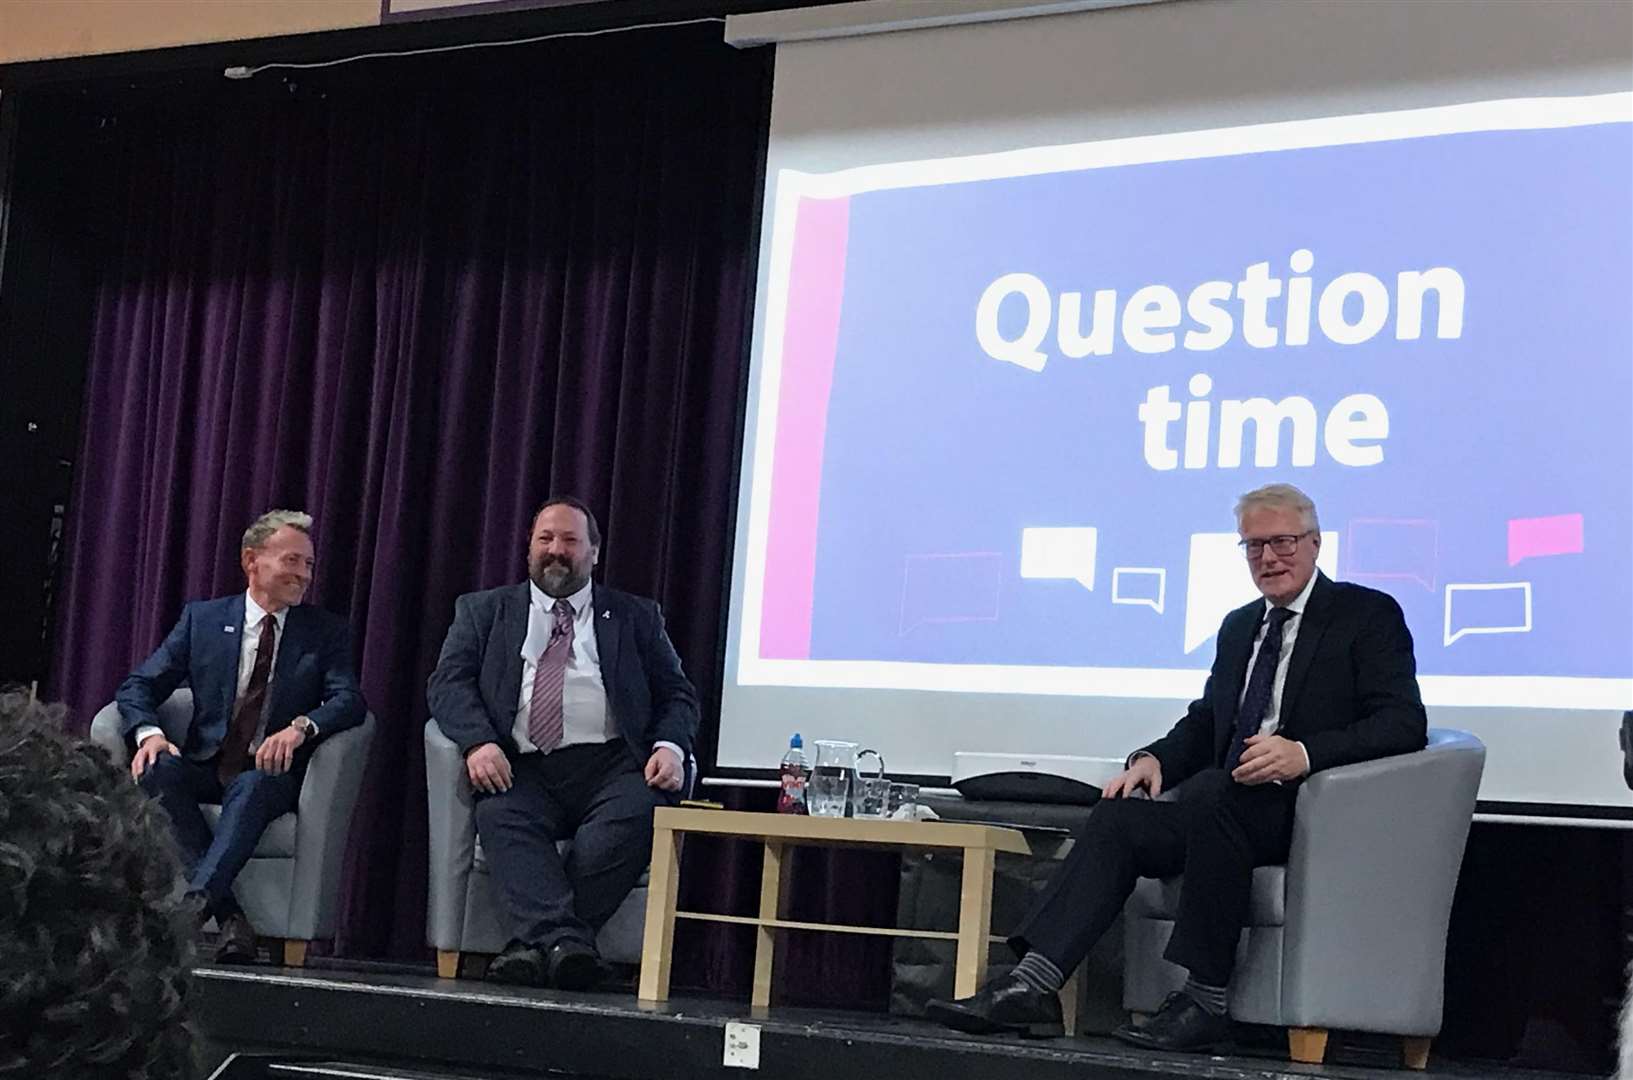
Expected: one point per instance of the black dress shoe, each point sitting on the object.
(1181, 1024)
(1005, 1005)
(237, 941)
(574, 966)
(520, 964)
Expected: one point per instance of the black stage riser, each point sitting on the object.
(418, 1023)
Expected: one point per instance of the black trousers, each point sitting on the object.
(594, 795)
(1215, 834)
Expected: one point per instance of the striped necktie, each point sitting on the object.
(544, 716)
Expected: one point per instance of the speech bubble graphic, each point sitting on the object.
(1490, 608)
(1054, 554)
(1530, 538)
(948, 588)
(1147, 586)
(1218, 581)
(1393, 549)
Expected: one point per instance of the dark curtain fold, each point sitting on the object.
(413, 298)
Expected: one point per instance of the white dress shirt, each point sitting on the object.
(1289, 634)
(585, 715)
(249, 642)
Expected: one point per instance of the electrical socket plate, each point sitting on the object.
(742, 1046)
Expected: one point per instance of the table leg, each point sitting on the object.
(1070, 994)
(974, 922)
(765, 943)
(658, 940)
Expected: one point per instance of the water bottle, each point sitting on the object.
(795, 771)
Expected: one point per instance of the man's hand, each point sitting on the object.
(664, 770)
(1144, 772)
(149, 752)
(277, 752)
(488, 768)
(1270, 757)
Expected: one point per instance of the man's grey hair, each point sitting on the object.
(1279, 497)
(262, 528)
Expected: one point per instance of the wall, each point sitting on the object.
(49, 29)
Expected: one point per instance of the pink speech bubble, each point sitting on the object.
(1529, 538)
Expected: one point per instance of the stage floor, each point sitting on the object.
(476, 1029)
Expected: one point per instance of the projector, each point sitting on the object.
(1040, 778)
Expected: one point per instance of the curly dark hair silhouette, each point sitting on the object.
(95, 941)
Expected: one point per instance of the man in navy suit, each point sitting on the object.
(1316, 674)
(575, 719)
(271, 678)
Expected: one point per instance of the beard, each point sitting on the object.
(556, 576)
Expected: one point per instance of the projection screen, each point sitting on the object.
(1039, 298)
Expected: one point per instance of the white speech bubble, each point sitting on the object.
(1055, 554)
(1522, 587)
(1119, 572)
(1218, 581)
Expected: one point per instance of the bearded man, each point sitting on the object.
(575, 718)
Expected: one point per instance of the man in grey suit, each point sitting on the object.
(575, 718)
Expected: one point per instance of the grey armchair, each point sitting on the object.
(290, 889)
(462, 915)
(1351, 933)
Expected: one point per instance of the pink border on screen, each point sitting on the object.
(816, 281)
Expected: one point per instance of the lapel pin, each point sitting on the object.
(606, 614)
(230, 629)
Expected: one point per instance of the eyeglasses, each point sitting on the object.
(1283, 545)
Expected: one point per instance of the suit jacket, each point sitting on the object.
(312, 677)
(1351, 692)
(477, 684)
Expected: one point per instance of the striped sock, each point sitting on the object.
(1040, 973)
(1211, 998)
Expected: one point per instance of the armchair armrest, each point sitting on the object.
(105, 733)
(451, 805)
(334, 779)
(1375, 855)
(175, 716)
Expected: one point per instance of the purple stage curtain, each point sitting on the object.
(413, 297)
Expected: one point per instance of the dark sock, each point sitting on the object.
(1040, 973)
(1211, 998)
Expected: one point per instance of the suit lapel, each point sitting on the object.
(228, 641)
(1313, 623)
(510, 632)
(294, 645)
(608, 632)
(1235, 645)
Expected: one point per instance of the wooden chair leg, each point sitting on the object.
(1416, 1051)
(447, 963)
(1307, 1045)
(294, 952)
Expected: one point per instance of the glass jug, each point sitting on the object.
(832, 775)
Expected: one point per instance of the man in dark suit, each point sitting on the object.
(270, 678)
(575, 719)
(1316, 674)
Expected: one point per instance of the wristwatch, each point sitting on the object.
(304, 725)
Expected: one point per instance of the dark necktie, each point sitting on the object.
(246, 718)
(1259, 685)
(544, 714)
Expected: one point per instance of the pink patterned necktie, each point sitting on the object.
(549, 675)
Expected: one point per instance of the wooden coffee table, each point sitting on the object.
(979, 843)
